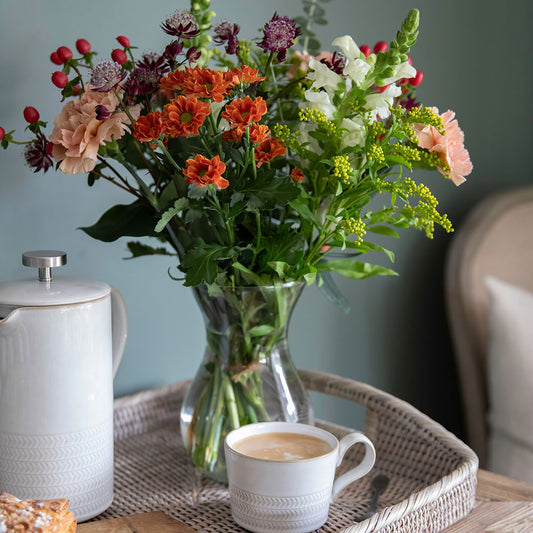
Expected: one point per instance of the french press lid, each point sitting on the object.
(44, 290)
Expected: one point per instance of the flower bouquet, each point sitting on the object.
(256, 164)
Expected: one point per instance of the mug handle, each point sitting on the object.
(361, 469)
(119, 326)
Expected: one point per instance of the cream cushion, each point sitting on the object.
(510, 379)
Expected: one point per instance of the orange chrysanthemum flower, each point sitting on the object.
(203, 171)
(243, 74)
(205, 83)
(297, 174)
(184, 115)
(268, 150)
(258, 133)
(243, 111)
(234, 135)
(172, 81)
(149, 127)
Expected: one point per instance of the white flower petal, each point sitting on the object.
(348, 47)
(355, 134)
(403, 70)
(320, 100)
(356, 70)
(323, 77)
(378, 104)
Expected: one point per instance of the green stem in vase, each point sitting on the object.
(231, 403)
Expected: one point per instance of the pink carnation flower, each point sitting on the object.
(450, 147)
(78, 133)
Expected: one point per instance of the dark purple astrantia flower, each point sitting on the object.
(144, 79)
(226, 33)
(105, 76)
(181, 24)
(37, 157)
(279, 35)
(336, 63)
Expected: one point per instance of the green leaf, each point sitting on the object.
(138, 249)
(354, 269)
(281, 268)
(383, 230)
(304, 211)
(249, 277)
(133, 220)
(268, 191)
(259, 331)
(166, 217)
(200, 262)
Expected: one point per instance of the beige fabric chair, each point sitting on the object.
(496, 239)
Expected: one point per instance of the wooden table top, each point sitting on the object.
(503, 505)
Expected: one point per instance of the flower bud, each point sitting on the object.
(124, 41)
(59, 79)
(417, 79)
(380, 46)
(83, 46)
(365, 49)
(54, 58)
(31, 114)
(64, 53)
(119, 56)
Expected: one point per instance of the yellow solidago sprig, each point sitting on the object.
(424, 215)
(354, 226)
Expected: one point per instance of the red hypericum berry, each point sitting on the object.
(380, 46)
(31, 114)
(381, 89)
(83, 46)
(417, 80)
(124, 41)
(365, 49)
(64, 53)
(409, 59)
(54, 58)
(49, 148)
(119, 56)
(59, 79)
(2, 133)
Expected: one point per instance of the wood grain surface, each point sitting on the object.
(156, 522)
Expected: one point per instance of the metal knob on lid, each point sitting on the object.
(44, 260)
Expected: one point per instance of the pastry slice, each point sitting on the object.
(35, 516)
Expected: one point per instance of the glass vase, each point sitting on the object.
(247, 374)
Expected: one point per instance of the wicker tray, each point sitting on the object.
(432, 473)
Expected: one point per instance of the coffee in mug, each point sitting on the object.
(281, 475)
(280, 446)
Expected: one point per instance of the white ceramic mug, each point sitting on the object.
(269, 496)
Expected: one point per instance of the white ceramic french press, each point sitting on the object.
(61, 341)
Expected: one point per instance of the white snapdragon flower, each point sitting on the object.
(323, 77)
(378, 103)
(321, 101)
(403, 70)
(356, 68)
(355, 134)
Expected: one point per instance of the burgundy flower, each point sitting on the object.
(409, 103)
(105, 76)
(37, 157)
(336, 63)
(181, 24)
(226, 32)
(172, 50)
(193, 54)
(102, 113)
(279, 35)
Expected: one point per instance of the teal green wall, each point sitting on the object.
(476, 59)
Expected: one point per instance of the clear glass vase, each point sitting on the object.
(247, 373)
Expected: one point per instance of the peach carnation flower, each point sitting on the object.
(449, 147)
(78, 134)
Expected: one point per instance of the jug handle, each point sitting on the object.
(119, 321)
